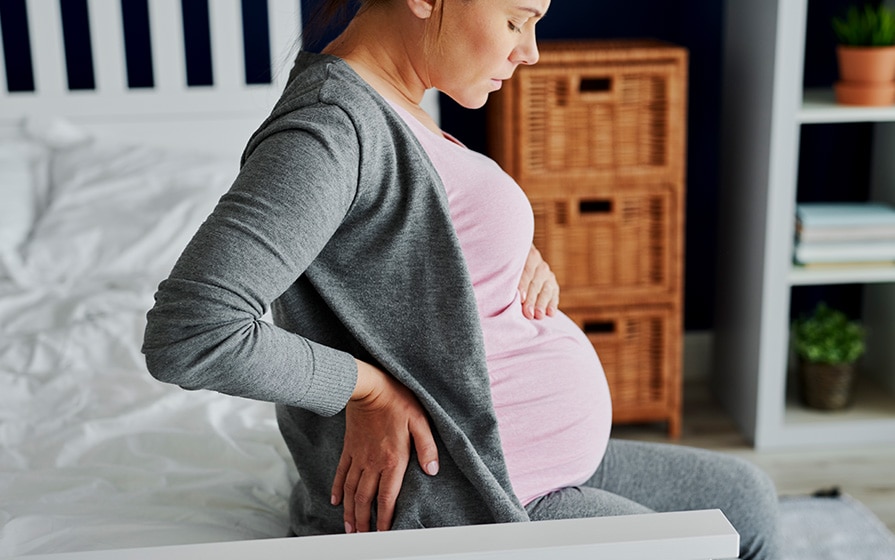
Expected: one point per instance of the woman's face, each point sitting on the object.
(481, 44)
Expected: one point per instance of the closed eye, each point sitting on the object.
(513, 27)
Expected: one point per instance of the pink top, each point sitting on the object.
(547, 384)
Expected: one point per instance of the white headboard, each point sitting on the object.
(218, 118)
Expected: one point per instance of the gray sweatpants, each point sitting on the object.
(638, 477)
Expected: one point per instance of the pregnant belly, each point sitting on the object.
(552, 403)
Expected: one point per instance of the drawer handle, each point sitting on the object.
(591, 85)
(599, 327)
(595, 207)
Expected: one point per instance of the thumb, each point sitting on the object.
(424, 443)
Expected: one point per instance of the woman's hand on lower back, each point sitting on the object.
(538, 287)
(382, 420)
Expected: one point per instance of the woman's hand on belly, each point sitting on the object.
(538, 287)
(381, 420)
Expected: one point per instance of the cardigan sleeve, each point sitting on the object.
(205, 330)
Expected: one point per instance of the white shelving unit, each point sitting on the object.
(765, 108)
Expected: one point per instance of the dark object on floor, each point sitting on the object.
(831, 492)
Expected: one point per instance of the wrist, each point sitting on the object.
(368, 379)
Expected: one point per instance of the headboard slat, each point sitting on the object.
(166, 30)
(47, 50)
(4, 79)
(169, 113)
(226, 44)
(107, 34)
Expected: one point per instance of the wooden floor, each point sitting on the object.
(865, 473)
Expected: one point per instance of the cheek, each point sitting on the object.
(470, 53)
(483, 45)
(496, 44)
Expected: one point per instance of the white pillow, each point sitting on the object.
(54, 132)
(121, 211)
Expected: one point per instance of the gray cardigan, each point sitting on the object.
(339, 221)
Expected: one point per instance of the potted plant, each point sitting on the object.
(866, 56)
(828, 346)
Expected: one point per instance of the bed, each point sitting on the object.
(100, 189)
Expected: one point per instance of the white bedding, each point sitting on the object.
(94, 453)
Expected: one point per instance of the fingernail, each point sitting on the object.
(522, 293)
(333, 500)
(432, 468)
(348, 528)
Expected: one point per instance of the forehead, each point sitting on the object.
(535, 7)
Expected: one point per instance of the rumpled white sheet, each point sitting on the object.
(95, 453)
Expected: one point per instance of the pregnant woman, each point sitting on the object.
(422, 374)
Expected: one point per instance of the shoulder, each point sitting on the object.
(321, 77)
(322, 80)
(326, 97)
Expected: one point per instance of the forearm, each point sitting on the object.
(205, 330)
(198, 339)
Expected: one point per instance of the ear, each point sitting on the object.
(422, 9)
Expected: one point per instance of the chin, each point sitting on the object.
(477, 105)
(470, 101)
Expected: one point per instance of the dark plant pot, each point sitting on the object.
(827, 386)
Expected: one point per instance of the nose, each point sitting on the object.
(527, 51)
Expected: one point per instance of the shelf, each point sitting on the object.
(857, 274)
(819, 106)
(765, 109)
(872, 414)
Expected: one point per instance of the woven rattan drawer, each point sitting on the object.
(618, 247)
(609, 114)
(639, 347)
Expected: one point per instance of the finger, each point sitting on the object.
(528, 272)
(553, 306)
(350, 489)
(367, 489)
(525, 282)
(389, 488)
(545, 297)
(525, 301)
(339, 479)
(424, 443)
(535, 293)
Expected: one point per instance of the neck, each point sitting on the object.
(382, 47)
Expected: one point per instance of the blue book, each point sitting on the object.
(866, 251)
(811, 215)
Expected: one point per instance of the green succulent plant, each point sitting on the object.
(868, 27)
(828, 336)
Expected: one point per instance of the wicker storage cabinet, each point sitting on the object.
(595, 134)
(639, 349)
(618, 248)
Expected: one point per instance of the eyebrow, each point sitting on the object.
(533, 11)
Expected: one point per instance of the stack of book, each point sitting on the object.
(847, 233)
